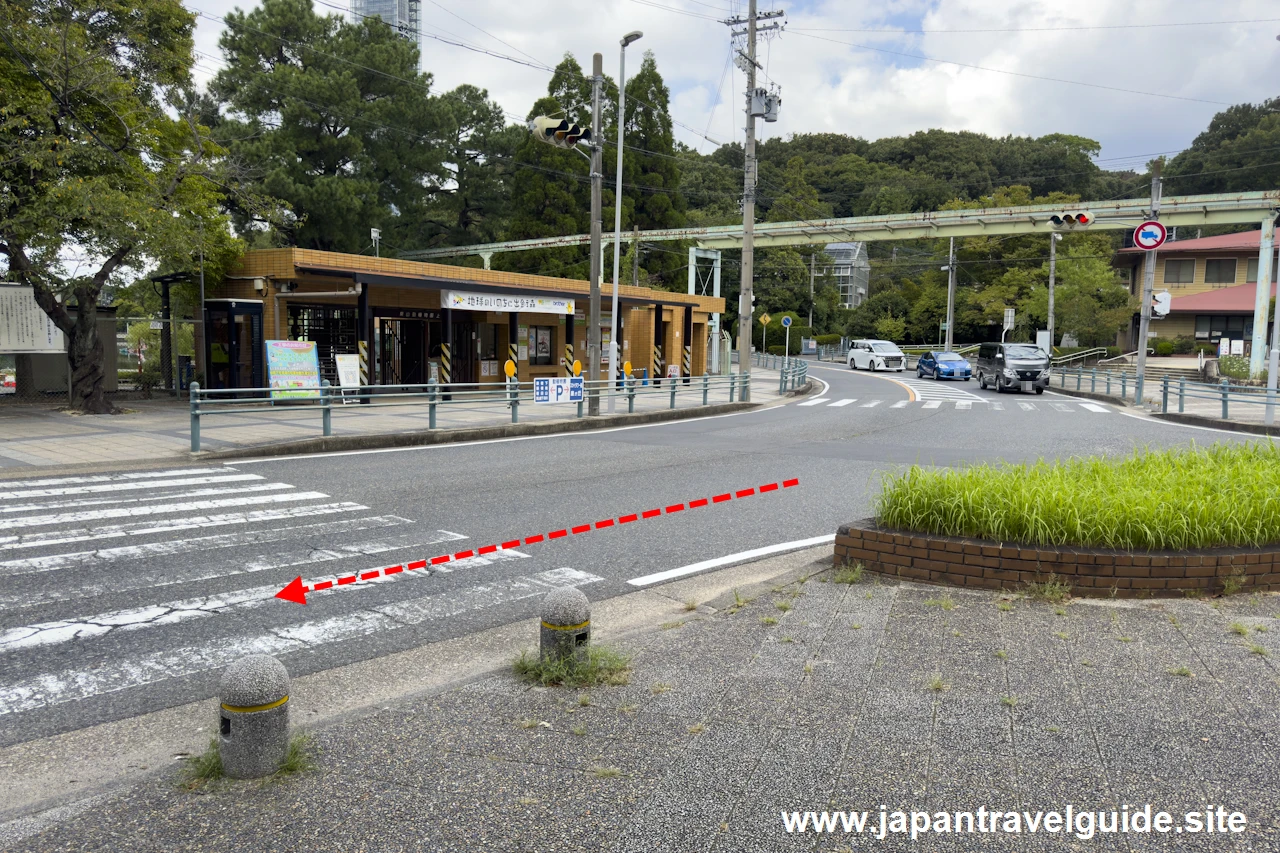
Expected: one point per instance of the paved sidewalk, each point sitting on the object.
(41, 434)
(811, 696)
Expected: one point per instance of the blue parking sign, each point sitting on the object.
(575, 389)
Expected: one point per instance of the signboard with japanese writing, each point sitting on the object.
(559, 389)
(348, 370)
(465, 301)
(24, 327)
(293, 365)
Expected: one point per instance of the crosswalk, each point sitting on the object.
(116, 586)
(971, 404)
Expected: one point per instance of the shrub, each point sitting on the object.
(776, 349)
(1169, 500)
(828, 340)
(1184, 345)
(1234, 366)
(1207, 349)
(1113, 352)
(1164, 348)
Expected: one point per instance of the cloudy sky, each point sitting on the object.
(1121, 74)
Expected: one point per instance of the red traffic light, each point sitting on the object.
(1071, 220)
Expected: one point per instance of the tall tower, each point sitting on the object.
(405, 16)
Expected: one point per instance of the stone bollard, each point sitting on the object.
(566, 624)
(254, 732)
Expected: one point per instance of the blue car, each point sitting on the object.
(943, 365)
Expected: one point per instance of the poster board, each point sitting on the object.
(673, 371)
(24, 327)
(348, 374)
(293, 365)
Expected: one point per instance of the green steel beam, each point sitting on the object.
(1221, 209)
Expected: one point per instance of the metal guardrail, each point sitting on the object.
(1096, 381)
(206, 402)
(1223, 392)
(1083, 355)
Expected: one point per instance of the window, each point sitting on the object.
(488, 341)
(1202, 327)
(1179, 272)
(540, 345)
(1251, 271)
(1220, 271)
(1215, 326)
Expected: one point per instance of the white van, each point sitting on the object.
(876, 355)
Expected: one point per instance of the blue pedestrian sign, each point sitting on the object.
(1149, 235)
(560, 389)
(786, 322)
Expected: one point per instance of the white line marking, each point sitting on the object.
(105, 478)
(35, 540)
(229, 568)
(1027, 407)
(173, 612)
(125, 487)
(999, 407)
(871, 404)
(1062, 407)
(964, 404)
(931, 404)
(742, 556)
(54, 688)
(1094, 407)
(901, 404)
(97, 559)
(814, 401)
(195, 493)
(167, 509)
(838, 403)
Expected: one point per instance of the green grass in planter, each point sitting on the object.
(1227, 494)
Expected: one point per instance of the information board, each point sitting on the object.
(291, 367)
(24, 327)
(559, 389)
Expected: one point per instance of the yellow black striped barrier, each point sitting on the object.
(446, 364)
(568, 360)
(688, 361)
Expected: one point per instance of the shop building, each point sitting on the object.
(422, 321)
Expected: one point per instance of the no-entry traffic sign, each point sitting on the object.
(1149, 235)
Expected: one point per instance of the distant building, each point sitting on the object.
(851, 270)
(1211, 281)
(402, 15)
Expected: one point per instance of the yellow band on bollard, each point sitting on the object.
(551, 627)
(249, 709)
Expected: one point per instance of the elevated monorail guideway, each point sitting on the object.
(1191, 210)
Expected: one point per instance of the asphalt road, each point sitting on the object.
(125, 593)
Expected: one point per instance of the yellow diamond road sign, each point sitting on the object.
(764, 319)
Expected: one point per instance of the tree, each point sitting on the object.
(334, 118)
(1236, 153)
(100, 155)
(891, 328)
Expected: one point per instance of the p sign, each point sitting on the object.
(1149, 235)
(560, 389)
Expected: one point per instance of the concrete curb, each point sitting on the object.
(1217, 423)
(421, 438)
(1090, 395)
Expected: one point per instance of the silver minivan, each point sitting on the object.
(1012, 367)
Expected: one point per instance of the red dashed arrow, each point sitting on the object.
(296, 591)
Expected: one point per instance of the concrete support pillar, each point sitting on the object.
(1262, 298)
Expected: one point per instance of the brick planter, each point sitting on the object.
(1090, 571)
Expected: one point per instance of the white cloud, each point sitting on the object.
(838, 88)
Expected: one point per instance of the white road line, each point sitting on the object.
(147, 528)
(173, 612)
(54, 688)
(931, 404)
(105, 556)
(134, 485)
(838, 403)
(195, 493)
(871, 404)
(219, 570)
(964, 404)
(1062, 407)
(1027, 407)
(901, 404)
(1094, 407)
(814, 402)
(998, 407)
(167, 509)
(105, 478)
(740, 557)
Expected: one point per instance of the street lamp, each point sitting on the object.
(614, 349)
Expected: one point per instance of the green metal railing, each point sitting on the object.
(1223, 392)
(1095, 381)
(510, 395)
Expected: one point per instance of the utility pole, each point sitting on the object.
(747, 61)
(951, 293)
(597, 260)
(812, 260)
(1148, 285)
(1053, 266)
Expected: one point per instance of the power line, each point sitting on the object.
(893, 31)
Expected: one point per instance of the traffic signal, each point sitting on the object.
(559, 132)
(1071, 220)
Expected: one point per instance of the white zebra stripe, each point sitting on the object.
(167, 509)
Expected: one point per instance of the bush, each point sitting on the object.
(1164, 348)
(1169, 500)
(1184, 345)
(1234, 366)
(1114, 352)
(1208, 349)
(777, 350)
(828, 340)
